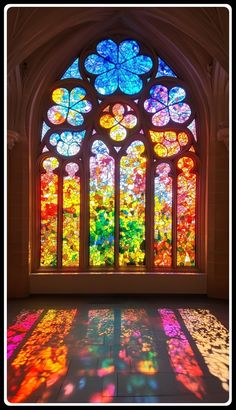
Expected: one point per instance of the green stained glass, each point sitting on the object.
(132, 206)
(101, 239)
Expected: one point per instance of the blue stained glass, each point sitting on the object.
(83, 106)
(138, 65)
(107, 83)
(176, 94)
(99, 147)
(129, 83)
(117, 67)
(128, 49)
(164, 70)
(75, 118)
(67, 143)
(45, 128)
(95, 64)
(72, 71)
(108, 50)
(76, 95)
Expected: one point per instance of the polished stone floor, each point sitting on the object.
(100, 349)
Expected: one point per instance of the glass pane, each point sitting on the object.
(49, 190)
(163, 217)
(71, 216)
(132, 206)
(102, 202)
(186, 213)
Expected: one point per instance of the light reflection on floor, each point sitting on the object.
(213, 344)
(112, 354)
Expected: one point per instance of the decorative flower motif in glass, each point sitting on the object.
(167, 105)
(70, 106)
(68, 143)
(118, 121)
(168, 143)
(118, 67)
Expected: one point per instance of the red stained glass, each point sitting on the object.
(186, 213)
(49, 198)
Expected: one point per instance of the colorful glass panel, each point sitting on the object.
(67, 143)
(102, 202)
(164, 70)
(132, 206)
(71, 216)
(70, 106)
(72, 71)
(49, 198)
(163, 217)
(118, 67)
(168, 143)
(186, 213)
(119, 121)
(166, 105)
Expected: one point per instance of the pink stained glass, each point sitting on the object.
(18, 330)
(43, 358)
(182, 358)
(186, 213)
(163, 217)
(71, 216)
(49, 191)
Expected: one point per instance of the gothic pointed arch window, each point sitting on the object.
(118, 165)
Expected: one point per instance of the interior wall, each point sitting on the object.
(42, 42)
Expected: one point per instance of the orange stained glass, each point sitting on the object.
(120, 119)
(49, 205)
(168, 143)
(186, 213)
(43, 358)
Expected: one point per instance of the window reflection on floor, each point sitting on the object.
(111, 354)
(212, 340)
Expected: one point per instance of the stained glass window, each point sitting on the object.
(118, 165)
